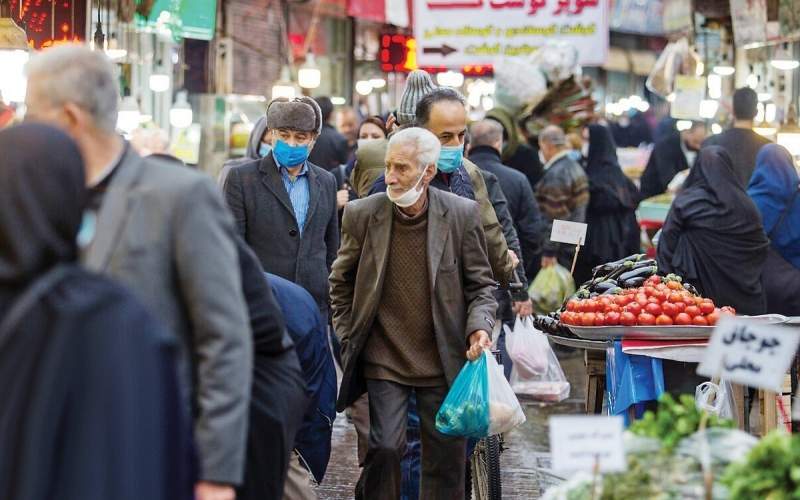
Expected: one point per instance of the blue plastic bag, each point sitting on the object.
(465, 410)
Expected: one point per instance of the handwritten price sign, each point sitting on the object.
(587, 443)
(750, 353)
(564, 231)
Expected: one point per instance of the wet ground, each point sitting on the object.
(526, 447)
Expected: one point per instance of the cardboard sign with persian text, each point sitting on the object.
(587, 443)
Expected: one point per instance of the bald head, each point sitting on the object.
(487, 133)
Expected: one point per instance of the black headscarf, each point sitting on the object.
(713, 235)
(612, 231)
(91, 404)
(42, 178)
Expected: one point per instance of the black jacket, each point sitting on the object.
(666, 160)
(521, 204)
(265, 219)
(330, 149)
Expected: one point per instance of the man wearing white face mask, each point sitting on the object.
(411, 296)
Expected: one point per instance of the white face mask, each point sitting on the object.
(585, 150)
(541, 158)
(364, 142)
(410, 197)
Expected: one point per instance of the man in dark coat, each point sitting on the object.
(487, 140)
(285, 206)
(740, 141)
(671, 155)
(331, 149)
(411, 293)
(516, 152)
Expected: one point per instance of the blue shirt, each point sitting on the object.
(297, 189)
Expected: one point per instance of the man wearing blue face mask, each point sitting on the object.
(284, 205)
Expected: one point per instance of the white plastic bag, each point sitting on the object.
(505, 412)
(536, 371)
(526, 349)
(716, 399)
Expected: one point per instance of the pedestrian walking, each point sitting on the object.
(671, 155)
(613, 231)
(88, 380)
(775, 189)
(330, 147)
(425, 250)
(562, 193)
(163, 231)
(285, 206)
(516, 152)
(740, 141)
(259, 145)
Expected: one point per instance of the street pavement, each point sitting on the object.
(526, 447)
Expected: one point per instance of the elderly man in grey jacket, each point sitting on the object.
(411, 292)
(163, 231)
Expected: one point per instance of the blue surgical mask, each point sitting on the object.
(450, 158)
(264, 149)
(290, 156)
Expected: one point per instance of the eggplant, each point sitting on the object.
(610, 266)
(613, 291)
(644, 271)
(605, 285)
(634, 282)
(630, 266)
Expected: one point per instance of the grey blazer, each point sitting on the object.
(459, 271)
(265, 219)
(164, 231)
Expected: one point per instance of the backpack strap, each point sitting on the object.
(29, 298)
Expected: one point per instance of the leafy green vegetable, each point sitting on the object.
(674, 421)
(771, 470)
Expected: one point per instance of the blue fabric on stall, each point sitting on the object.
(631, 381)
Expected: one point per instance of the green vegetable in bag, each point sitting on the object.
(551, 288)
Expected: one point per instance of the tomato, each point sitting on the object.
(680, 306)
(675, 297)
(728, 310)
(706, 307)
(674, 285)
(669, 309)
(655, 279)
(653, 309)
(698, 301)
(713, 317)
(646, 319)
(599, 319)
(664, 320)
(634, 308)
(604, 302)
(700, 321)
(683, 319)
(662, 288)
(573, 305)
(627, 318)
(613, 308)
(587, 319)
(650, 290)
(612, 318)
(641, 298)
(659, 295)
(623, 300)
(692, 311)
(652, 300)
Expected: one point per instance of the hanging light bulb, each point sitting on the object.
(450, 79)
(377, 83)
(113, 51)
(159, 81)
(708, 108)
(724, 67)
(338, 101)
(128, 116)
(284, 86)
(181, 116)
(782, 59)
(363, 87)
(714, 86)
(716, 128)
(309, 76)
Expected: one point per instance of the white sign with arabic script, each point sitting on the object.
(750, 353)
(456, 33)
(583, 443)
(565, 231)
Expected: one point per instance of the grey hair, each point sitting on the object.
(554, 135)
(486, 133)
(426, 146)
(75, 74)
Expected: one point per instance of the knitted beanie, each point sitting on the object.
(418, 84)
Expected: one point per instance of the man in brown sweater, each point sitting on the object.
(411, 294)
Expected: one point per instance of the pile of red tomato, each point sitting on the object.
(657, 302)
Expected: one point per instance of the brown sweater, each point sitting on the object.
(402, 344)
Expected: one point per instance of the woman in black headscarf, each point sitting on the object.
(713, 235)
(87, 378)
(613, 231)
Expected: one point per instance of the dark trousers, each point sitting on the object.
(442, 456)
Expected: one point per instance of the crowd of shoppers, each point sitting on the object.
(179, 335)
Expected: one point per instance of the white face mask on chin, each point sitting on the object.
(410, 197)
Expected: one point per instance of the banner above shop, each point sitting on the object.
(194, 19)
(749, 21)
(455, 33)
